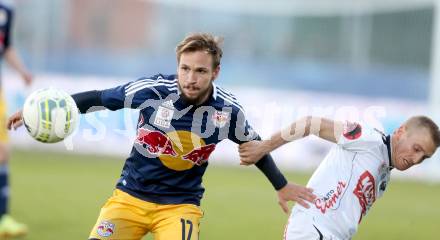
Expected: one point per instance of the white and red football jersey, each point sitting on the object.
(349, 180)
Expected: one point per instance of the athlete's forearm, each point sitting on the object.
(12, 58)
(297, 130)
(271, 171)
(89, 101)
(320, 127)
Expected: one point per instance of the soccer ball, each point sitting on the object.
(50, 115)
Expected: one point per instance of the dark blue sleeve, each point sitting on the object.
(125, 96)
(8, 28)
(239, 129)
(240, 132)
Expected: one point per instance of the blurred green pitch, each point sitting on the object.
(59, 197)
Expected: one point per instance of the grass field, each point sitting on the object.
(59, 197)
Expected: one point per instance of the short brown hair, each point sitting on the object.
(427, 123)
(202, 42)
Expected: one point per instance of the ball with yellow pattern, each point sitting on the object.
(50, 115)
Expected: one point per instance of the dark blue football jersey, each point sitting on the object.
(6, 14)
(174, 139)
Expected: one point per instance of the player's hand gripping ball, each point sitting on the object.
(50, 115)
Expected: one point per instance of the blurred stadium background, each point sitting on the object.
(370, 60)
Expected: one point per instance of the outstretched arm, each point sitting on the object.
(257, 152)
(12, 58)
(327, 129)
(89, 101)
(85, 101)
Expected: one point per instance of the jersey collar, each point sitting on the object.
(387, 141)
(214, 91)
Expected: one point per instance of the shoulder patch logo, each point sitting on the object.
(352, 131)
(220, 118)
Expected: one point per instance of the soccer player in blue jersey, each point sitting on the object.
(8, 226)
(182, 118)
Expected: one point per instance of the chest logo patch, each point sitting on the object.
(177, 150)
(163, 117)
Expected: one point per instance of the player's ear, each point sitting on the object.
(398, 132)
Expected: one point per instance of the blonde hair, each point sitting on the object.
(202, 42)
(417, 122)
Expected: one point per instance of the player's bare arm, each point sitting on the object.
(15, 120)
(327, 129)
(12, 58)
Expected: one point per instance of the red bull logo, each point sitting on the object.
(155, 142)
(177, 150)
(199, 155)
(105, 229)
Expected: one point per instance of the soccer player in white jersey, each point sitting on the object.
(354, 173)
